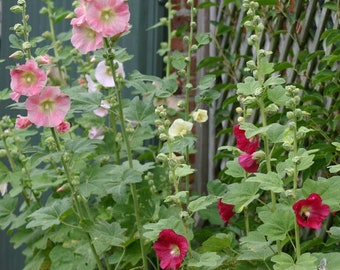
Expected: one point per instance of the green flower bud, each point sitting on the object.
(26, 46)
(21, 2)
(16, 9)
(164, 21)
(161, 157)
(272, 108)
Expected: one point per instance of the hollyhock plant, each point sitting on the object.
(171, 249)
(243, 143)
(103, 110)
(27, 80)
(48, 108)
(200, 116)
(310, 212)
(225, 210)
(84, 38)
(248, 162)
(103, 73)
(96, 133)
(108, 17)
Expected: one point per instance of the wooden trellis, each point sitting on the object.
(290, 31)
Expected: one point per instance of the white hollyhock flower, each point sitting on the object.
(179, 128)
(104, 76)
(200, 116)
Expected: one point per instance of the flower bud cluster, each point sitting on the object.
(162, 123)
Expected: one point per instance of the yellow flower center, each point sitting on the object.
(29, 78)
(47, 106)
(90, 34)
(107, 15)
(175, 250)
(305, 212)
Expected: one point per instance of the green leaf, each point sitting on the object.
(275, 132)
(216, 187)
(334, 232)
(48, 216)
(201, 203)
(274, 80)
(332, 260)
(106, 235)
(248, 87)
(82, 145)
(265, 67)
(277, 224)
(203, 39)
(269, 181)
(206, 82)
(255, 247)
(7, 208)
(277, 95)
(183, 170)
(241, 195)
(178, 61)
(285, 262)
(207, 259)
(152, 230)
(218, 242)
(234, 169)
(139, 111)
(334, 168)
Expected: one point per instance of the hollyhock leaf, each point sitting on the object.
(7, 207)
(334, 168)
(252, 130)
(131, 176)
(255, 246)
(179, 196)
(241, 195)
(105, 235)
(285, 262)
(216, 187)
(248, 87)
(206, 82)
(274, 80)
(201, 203)
(152, 230)
(234, 169)
(141, 112)
(48, 216)
(277, 225)
(178, 61)
(206, 260)
(82, 145)
(203, 38)
(269, 181)
(217, 242)
(275, 132)
(265, 66)
(334, 232)
(184, 170)
(277, 95)
(332, 260)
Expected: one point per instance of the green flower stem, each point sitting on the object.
(246, 220)
(133, 188)
(75, 198)
(168, 58)
(295, 185)
(53, 37)
(114, 135)
(26, 33)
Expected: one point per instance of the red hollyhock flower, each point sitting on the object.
(170, 248)
(248, 163)
(225, 210)
(311, 212)
(243, 143)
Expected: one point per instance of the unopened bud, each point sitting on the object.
(16, 9)
(26, 46)
(17, 55)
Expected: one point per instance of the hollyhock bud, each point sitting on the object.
(22, 122)
(63, 127)
(248, 162)
(311, 212)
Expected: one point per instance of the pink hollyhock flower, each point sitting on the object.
(96, 133)
(91, 86)
(103, 110)
(22, 122)
(248, 163)
(171, 249)
(311, 212)
(48, 108)
(63, 127)
(225, 210)
(27, 80)
(84, 38)
(243, 143)
(104, 76)
(108, 17)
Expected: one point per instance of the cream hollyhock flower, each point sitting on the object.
(104, 76)
(179, 128)
(200, 116)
